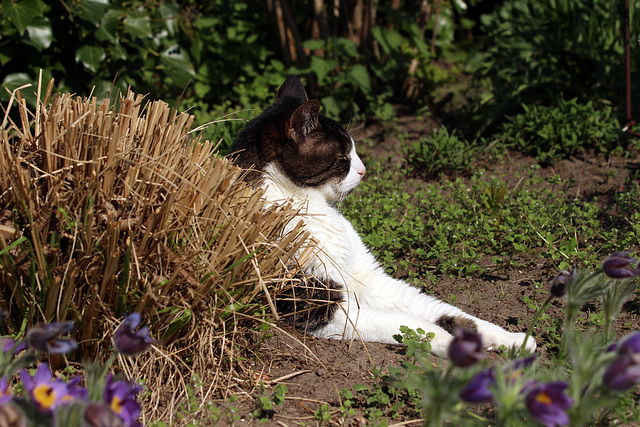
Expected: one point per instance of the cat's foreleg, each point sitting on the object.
(350, 322)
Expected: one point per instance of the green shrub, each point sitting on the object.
(533, 51)
(219, 53)
(562, 130)
(443, 152)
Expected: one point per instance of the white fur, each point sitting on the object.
(375, 304)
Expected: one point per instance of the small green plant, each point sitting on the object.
(266, 403)
(422, 229)
(569, 127)
(323, 414)
(443, 152)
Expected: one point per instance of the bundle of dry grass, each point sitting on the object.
(105, 212)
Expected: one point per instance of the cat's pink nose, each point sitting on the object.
(362, 171)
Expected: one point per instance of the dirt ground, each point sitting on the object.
(315, 370)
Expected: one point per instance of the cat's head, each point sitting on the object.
(291, 139)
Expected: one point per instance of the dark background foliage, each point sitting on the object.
(360, 58)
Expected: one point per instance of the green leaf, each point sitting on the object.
(40, 34)
(91, 57)
(13, 245)
(314, 44)
(322, 67)
(359, 76)
(170, 10)
(93, 10)
(138, 26)
(177, 62)
(117, 52)
(15, 80)
(21, 13)
(108, 26)
(4, 58)
(390, 40)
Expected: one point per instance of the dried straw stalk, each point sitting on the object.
(104, 212)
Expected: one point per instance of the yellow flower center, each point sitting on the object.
(44, 395)
(543, 398)
(116, 405)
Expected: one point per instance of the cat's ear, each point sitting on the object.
(303, 121)
(293, 88)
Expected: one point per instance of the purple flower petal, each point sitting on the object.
(98, 415)
(629, 344)
(548, 403)
(560, 283)
(623, 372)
(5, 396)
(45, 391)
(121, 398)
(478, 390)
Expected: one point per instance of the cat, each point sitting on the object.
(299, 156)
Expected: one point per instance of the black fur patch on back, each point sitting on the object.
(309, 303)
(451, 323)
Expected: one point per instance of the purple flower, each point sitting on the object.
(466, 348)
(121, 398)
(5, 396)
(98, 415)
(44, 337)
(75, 391)
(129, 341)
(624, 371)
(548, 403)
(9, 345)
(478, 390)
(621, 265)
(45, 391)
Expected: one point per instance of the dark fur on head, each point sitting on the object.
(307, 147)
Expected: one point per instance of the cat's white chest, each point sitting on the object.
(336, 242)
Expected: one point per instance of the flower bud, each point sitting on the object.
(621, 265)
(44, 337)
(130, 340)
(623, 372)
(466, 348)
(559, 284)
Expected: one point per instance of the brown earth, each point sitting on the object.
(315, 370)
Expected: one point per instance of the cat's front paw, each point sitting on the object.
(512, 340)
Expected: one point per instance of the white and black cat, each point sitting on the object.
(304, 158)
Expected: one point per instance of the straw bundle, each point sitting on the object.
(105, 212)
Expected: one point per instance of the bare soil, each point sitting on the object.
(315, 370)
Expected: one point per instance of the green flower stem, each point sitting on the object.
(539, 313)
